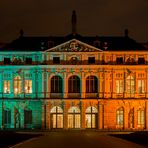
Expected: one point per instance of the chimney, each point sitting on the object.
(74, 22)
(126, 32)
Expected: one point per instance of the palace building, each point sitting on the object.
(74, 82)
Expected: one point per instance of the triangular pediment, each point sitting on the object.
(74, 46)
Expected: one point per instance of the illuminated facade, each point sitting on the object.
(74, 82)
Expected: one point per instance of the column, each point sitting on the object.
(65, 116)
(12, 117)
(65, 86)
(146, 84)
(43, 115)
(135, 118)
(83, 86)
(146, 114)
(82, 115)
(48, 108)
(125, 117)
(100, 116)
(1, 114)
(101, 86)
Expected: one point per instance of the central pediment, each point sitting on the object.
(74, 46)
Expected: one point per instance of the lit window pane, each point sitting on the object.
(119, 86)
(28, 86)
(6, 86)
(17, 85)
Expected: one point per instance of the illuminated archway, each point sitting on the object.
(120, 117)
(74, 119)
(56, 117)
(91, 117)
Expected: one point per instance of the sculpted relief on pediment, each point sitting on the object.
(73, 46)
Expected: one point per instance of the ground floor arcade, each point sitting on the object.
(74, 114)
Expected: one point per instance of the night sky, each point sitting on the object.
(53, 18)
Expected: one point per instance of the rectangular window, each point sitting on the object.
(7, 117)
(28, 60)
(28, 86)
(28, 116)
(141, 86)
(91, 60)
(6, 86)
(119, 86)
(141, 118)
(56, 60)
(6, 60)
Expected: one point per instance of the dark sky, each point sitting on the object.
(53, 17)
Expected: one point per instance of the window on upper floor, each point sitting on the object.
(56, 60)
(141, 86)
(91, 60)
(28, 60)
(7, 61)
(130, 84)
(141, 60)
(119, 60)
(6, 86)
(17, 85)
(28, 86)
(119, 86)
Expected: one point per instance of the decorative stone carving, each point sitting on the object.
(74, 46)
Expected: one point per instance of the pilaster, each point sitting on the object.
(83, 86)
(100, 115)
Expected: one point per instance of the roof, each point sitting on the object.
(108, 43)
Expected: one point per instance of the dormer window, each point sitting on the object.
(91, 60)
(50, 44)
(74, 60)
(28, 60)
(119, 60)
(56, 60)
(141, 60)
(7, 61)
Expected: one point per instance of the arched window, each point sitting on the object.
(141, 118)
(130, 84)
(91, 84)
(74, 120)
(91, 117)
(74, 84)
(56, 84)
(17, 85)
(56, 117)
(120, 117)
